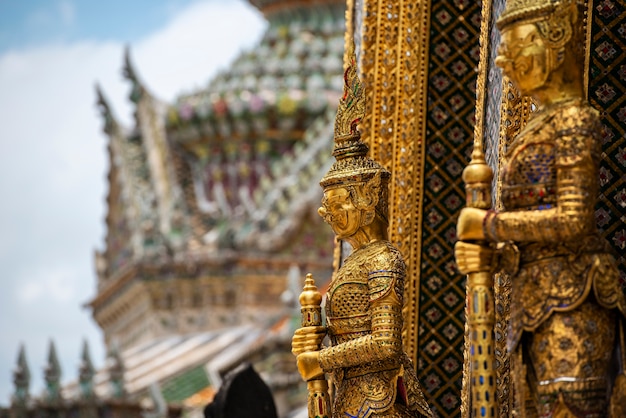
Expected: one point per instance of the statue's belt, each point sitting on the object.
(371, 367)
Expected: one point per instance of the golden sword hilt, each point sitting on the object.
(318, 400)
(480, 300)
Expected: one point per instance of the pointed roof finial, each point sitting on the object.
(130, 74)
(21, 379)
(110, 124)
(52, 375)
(352, 164)
(86, 373)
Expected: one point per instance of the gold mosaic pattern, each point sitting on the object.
(453, 58)
(514, 114)
(607, 94)
(418, 62)
(394, 66)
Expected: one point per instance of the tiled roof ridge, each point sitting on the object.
(271, 89)
(283, 203)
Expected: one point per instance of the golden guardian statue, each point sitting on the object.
(567, 307)
(373, 377)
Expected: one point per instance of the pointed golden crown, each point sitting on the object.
(352, 165)
(352, 104)
(531, 11)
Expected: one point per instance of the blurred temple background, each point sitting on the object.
(211, 225)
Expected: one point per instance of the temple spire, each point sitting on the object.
(86, 373)
(110, 123)
(149, 116)
(21, 379)
(52, 375)
(130, 74)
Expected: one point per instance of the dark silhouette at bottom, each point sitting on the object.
(243, 395)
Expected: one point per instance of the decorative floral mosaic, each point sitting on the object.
(607, 93)
(454, 54)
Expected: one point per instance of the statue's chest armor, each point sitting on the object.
(529, 176)
(347, 305)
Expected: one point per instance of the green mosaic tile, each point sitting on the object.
(182, 387)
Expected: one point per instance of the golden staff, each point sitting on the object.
(318, 400)
(480, 299)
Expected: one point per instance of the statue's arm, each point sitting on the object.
(573, 215)
(385, 340)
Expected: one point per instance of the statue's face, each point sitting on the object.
(522, 55)
(339, 211)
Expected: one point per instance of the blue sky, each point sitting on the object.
(53, 161)
(34, 22)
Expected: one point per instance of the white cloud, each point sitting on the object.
(205, 36)
(53, 168)
(57, 286)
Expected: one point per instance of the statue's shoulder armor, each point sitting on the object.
(387, 270)
(578, 133)
(576, 113)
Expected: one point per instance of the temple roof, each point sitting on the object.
(274, 90)
(268, 113)
(228, 175)
(236, 164)
(199, 359)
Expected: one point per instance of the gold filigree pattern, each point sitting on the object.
(394, 61)
(363, 311)
(514, 114)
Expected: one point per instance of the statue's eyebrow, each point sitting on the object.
(527, 40)
(504, 48)
(331, 199)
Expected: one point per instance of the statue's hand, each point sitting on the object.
(469, 227)
(309, 365)
(472, 258)
(307, 339)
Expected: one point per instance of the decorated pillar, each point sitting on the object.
(418, 61)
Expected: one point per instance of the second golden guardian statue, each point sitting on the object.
(567, 308)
